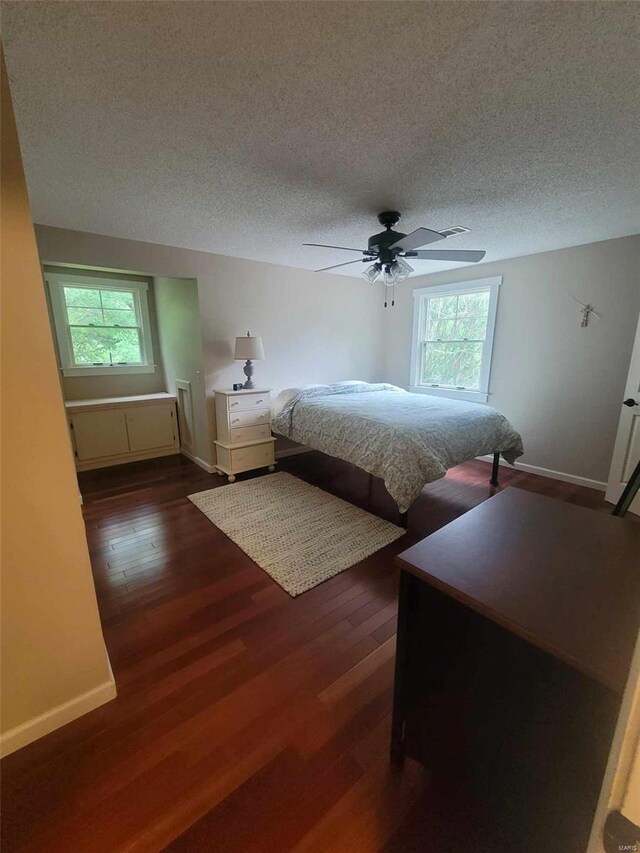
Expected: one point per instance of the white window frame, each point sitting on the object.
(420, 297)
(56, 283)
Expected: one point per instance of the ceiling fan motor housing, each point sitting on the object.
(380, 242)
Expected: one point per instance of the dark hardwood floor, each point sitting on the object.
(245, 720)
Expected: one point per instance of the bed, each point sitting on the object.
(406, 439)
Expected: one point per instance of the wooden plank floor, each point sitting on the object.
(245, 720)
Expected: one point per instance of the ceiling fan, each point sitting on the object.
(389, 248)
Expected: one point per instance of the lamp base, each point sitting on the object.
(248, 372)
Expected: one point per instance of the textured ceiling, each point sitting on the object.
(248, 128)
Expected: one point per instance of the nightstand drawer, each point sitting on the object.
(247, 402)
(250, 418)
(245, 458)
(250, 433)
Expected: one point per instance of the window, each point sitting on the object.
(102, 325)
(453, 328)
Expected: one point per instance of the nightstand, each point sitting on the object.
(244, 440)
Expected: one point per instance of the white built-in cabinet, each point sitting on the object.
(122, 429)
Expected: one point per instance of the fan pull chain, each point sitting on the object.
(393, 295)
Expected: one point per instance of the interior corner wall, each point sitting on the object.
(560, 384)
(54, 661)
(179, 334)
(98, 387)
(316, 327)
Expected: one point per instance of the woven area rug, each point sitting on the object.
(297, 533)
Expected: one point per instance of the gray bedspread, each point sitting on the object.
(406, 439)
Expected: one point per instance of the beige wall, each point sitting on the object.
(316, 327)
(178, 316)
(99, 387)
(54, 663)
(560, 384)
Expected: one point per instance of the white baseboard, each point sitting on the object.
(292, 451)
(210, 469)
(55, 718)
(554, 475)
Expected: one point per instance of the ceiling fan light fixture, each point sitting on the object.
(404, 265)
(389, 275)
(373, 272)
(402, 270)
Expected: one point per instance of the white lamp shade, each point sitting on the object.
(249, 348)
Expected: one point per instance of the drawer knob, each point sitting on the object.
(235, 421)
(235, 403)
(260, 401)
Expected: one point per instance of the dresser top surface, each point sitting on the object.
(241, 391)
(565, 578)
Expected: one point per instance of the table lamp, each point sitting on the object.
(251, 349)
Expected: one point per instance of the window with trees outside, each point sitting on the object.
(102, 325)
(453, 328)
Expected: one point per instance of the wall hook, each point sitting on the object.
(586, 311)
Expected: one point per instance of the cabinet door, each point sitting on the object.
(150, 427)
(100, 433)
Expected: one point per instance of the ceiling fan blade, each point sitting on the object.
(417, 238)
(447, 255)
(346, 248)
(346, 264)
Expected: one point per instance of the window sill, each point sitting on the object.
(108, 371)
(452, 393)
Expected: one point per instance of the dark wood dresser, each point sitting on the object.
(516, 627)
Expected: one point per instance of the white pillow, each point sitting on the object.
(278, 403)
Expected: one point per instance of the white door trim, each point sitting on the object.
(622, 758)
(187, 398)
(628, 433)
